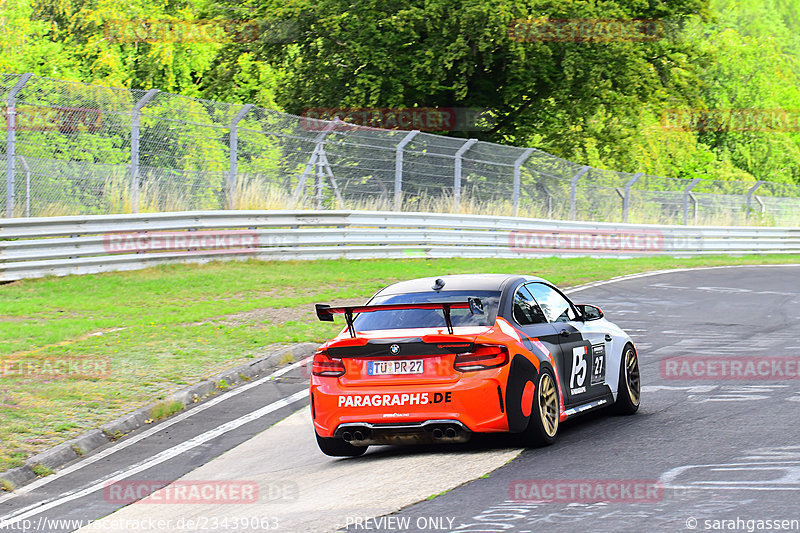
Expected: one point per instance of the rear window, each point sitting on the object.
(428, 318)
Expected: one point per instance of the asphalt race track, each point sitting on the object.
(714, 447)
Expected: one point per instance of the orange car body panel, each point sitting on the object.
(440, 392)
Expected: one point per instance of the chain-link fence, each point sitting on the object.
(72, 148)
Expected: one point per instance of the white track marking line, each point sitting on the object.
(152, 431)
(157, 459)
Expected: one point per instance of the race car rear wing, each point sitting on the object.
(326, 312)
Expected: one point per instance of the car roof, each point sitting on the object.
(456, 282)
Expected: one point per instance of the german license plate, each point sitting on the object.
(406, 366)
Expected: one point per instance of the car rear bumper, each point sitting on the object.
(472, 404)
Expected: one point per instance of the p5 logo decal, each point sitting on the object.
(577, 381)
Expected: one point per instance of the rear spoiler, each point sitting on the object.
(325, 312)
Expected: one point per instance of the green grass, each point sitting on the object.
(165, 409)
(144, 334)
(42, 471)
(434, 496)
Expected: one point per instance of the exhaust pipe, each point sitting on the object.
(429, 432)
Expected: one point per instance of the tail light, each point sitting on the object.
(324, 365)
(482, 357)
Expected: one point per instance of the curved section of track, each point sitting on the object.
(714, 448)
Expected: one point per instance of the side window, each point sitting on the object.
(555, 307)
(526, 310)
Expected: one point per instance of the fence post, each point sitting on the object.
(750, 193)
(234, 148)
(626, 200)
(549, 195)
(687, 192)
(313, 161)
(398, 169)
(11, 131)
(517, 171)
(457, 178)
(135, 116)
(27, 185)
(573, 193)
(762, 205)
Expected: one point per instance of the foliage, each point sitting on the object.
(596, 101)
(756, 46)
(109, 42)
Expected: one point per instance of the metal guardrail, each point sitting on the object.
(58, 246)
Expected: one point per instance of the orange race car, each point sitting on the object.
(435, 360)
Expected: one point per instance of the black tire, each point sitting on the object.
(543, 422)
(339, 447)
(629, 390)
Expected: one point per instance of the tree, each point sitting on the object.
(26, 46)
(479, 53)
(755, 75)
(136, 44)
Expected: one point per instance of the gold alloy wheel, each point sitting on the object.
(548, 404)
(632, 376)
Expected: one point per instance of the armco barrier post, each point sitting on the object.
(398, 169)
(457, 177)
(517, 172)
(750, 193)
(135, 119)
(626, 200)
(11, 138)
(234, 147)
(573, 193)
(687, 193)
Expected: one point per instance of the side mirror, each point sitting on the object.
(590, 312)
